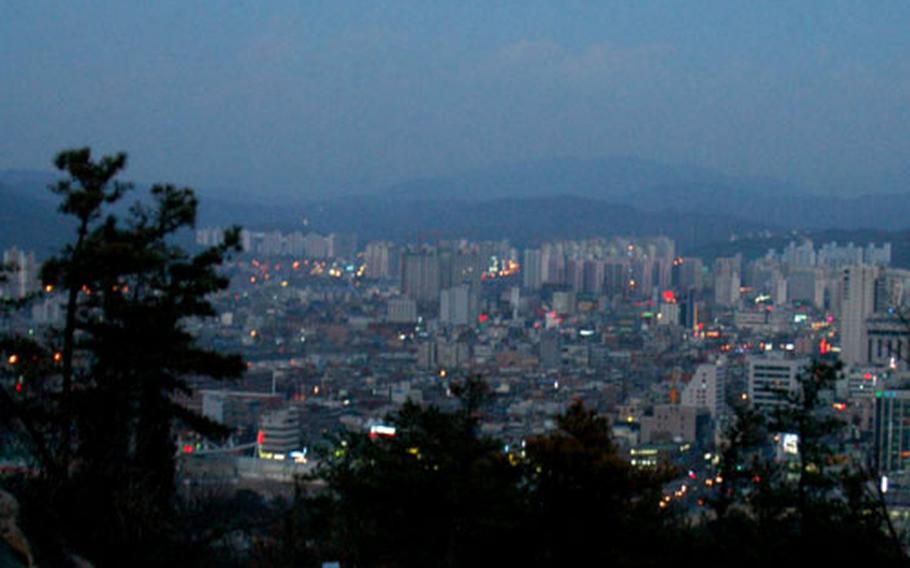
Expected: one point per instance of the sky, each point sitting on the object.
(318, 98)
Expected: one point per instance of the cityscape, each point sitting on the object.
(474, 285)
(336, 334)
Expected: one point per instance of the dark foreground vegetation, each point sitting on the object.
(93, 407)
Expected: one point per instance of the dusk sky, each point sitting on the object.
(320, 98)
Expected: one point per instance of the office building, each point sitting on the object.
(892, 432)
(705, 391)
(772, 379)
(279, 433)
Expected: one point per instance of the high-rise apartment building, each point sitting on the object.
(857, 304)
(420, 276)
(532, 270)
(22, 276)
(727, 281)
(458, 305)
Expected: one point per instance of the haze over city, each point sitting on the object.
(406, 284)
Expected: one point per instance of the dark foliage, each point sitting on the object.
(819, 505)
(95, 400)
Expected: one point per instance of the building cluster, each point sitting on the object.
(277, 243)
(666, 345)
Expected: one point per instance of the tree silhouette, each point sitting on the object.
(819, 503)
(588, 504)
(103, 427)
(437, 493)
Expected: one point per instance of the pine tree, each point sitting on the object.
(588, 505)
(818, 503)
(105, 432)
(436, 494)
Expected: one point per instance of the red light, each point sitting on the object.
(867, 376)
(482, 318)
(260, 438)
(669, 297)
(823, 346)
(839, 406)
(18, 387)
(187, 448)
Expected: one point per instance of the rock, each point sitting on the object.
(10, 532)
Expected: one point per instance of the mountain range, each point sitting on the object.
(525, 202)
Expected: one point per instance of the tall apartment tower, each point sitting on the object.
(23, 273)
(378, 259)
(858, 303)
(420, 278)
(727, 281)
(532, 270)
(689, 274)
(458, 305)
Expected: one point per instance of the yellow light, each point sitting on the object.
(12, 359)
(253, 333)
(58, 356)
(284, 283)
(49, 288)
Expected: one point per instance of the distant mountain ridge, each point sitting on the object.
(526, 202)
(650, 186)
